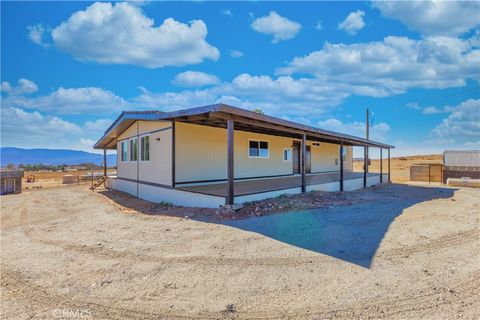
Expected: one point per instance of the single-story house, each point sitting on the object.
(218, 154)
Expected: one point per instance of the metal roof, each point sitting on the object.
(245, 120)
(461, 158)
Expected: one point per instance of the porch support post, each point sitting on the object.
(381, 165)
(104, 162)
(365, 166)
(341, 165)
(389, 178)
(304, 162)
(230, 155)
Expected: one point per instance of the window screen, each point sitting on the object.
(145, 148)
(133, 149)
(264, 149)
(258, 149)
(253, 149)
(124, 151)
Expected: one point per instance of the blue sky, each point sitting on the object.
(69, 68)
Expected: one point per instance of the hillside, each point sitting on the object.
(51, 156)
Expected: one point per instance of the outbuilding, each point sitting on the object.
(11, 181)
(219, 154)
(461, 164)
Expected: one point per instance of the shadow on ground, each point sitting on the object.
(352, 233)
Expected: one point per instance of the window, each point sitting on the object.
(344, 154)
(258, 149)
(287, 155)
(145, 148)
(133, 149)
(124, 151)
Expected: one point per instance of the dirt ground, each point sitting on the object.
(405, 252)
(400, 166)
(49, 179)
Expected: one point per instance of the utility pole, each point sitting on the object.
(367, 136)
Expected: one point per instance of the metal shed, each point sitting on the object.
(461, 164)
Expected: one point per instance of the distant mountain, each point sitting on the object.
(51, 156)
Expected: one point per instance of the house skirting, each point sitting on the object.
(179, 197)
(162, 194)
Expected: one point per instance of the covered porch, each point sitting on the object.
(229, 188)
(317, 181)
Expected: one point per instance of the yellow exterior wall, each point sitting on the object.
(159, 168)
(201, 154)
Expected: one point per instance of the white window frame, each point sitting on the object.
(121, 150)
(259, 156)
(140, 144)
(130, 149)
(291, 154)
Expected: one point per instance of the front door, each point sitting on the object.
(296, 156)
(9, 185)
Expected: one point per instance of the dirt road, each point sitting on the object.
(410, 252)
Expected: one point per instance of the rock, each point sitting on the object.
(231, 308)
(234, 207)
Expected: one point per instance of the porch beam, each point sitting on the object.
(341, 165)
(365, 166)
(381, 166)
(230, 164)
(304, 162)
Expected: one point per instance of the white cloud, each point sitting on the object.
(195, 79)
(25, 129)
(36, 33)
(462, 125)
(446, 18)
(431, 110)
(319, 26)
(122, 34)
(28, 129)
(236, 54)
(413, 106)
(24, 86)
(90, 100)
(353, 22)
(378, 131)
(283, 96)
(87, 143)
(394, 65)
(98, 126)
(428, 110)
(280, 27)
(227, 12)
